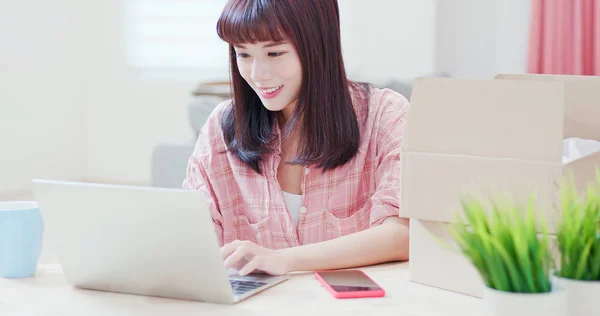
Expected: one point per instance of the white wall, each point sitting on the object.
(404, 39)
(127, 113)
(388, 39)
(478, 39)
(42, 88)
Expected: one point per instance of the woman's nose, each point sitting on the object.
(261, 71)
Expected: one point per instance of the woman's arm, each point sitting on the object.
(384, 243)
(196, 174)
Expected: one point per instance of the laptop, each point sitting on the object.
(140, 240)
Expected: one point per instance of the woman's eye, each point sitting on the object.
(242, 55)
(276, 54)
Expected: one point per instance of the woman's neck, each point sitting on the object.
(287, 113)
(289, 144)
(284, 118)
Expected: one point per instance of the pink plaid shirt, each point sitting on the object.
(361, 194)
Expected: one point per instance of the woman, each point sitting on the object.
(302, 167)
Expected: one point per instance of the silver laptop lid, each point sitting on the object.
(138, 240)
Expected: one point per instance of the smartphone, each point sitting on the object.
(349, 284)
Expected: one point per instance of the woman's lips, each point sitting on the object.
(269, 93)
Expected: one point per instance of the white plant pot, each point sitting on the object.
(582, 297)
(525, 304)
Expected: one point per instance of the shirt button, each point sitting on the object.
(306, 171)
(303, 210)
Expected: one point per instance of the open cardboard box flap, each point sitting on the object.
(582, 102)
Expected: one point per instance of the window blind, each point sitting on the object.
(175, 36)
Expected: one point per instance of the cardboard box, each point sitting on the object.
(485, 137)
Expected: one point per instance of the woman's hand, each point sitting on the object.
(247, 257)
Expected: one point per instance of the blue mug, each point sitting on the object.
(21, 233)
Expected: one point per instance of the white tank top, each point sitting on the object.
(293, 204)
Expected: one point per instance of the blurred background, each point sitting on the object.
(115, 91)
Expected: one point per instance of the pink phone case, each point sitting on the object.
(354, 294)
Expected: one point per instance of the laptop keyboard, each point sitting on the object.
(243, 286)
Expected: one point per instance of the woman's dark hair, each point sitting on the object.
(329, 134)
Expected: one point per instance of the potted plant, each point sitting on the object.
(578, 235)
(510, 248)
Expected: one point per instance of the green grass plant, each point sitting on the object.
(508, 244)
(578, 232)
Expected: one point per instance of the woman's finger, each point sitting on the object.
(229, 248)
(254, 264)
(240, 253)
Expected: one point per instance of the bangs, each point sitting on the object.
(246, 21)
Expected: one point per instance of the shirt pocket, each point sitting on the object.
(347, 219)
(258, 232)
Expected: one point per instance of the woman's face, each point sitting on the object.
(274, 71)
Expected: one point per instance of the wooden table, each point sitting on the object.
(48, 294)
